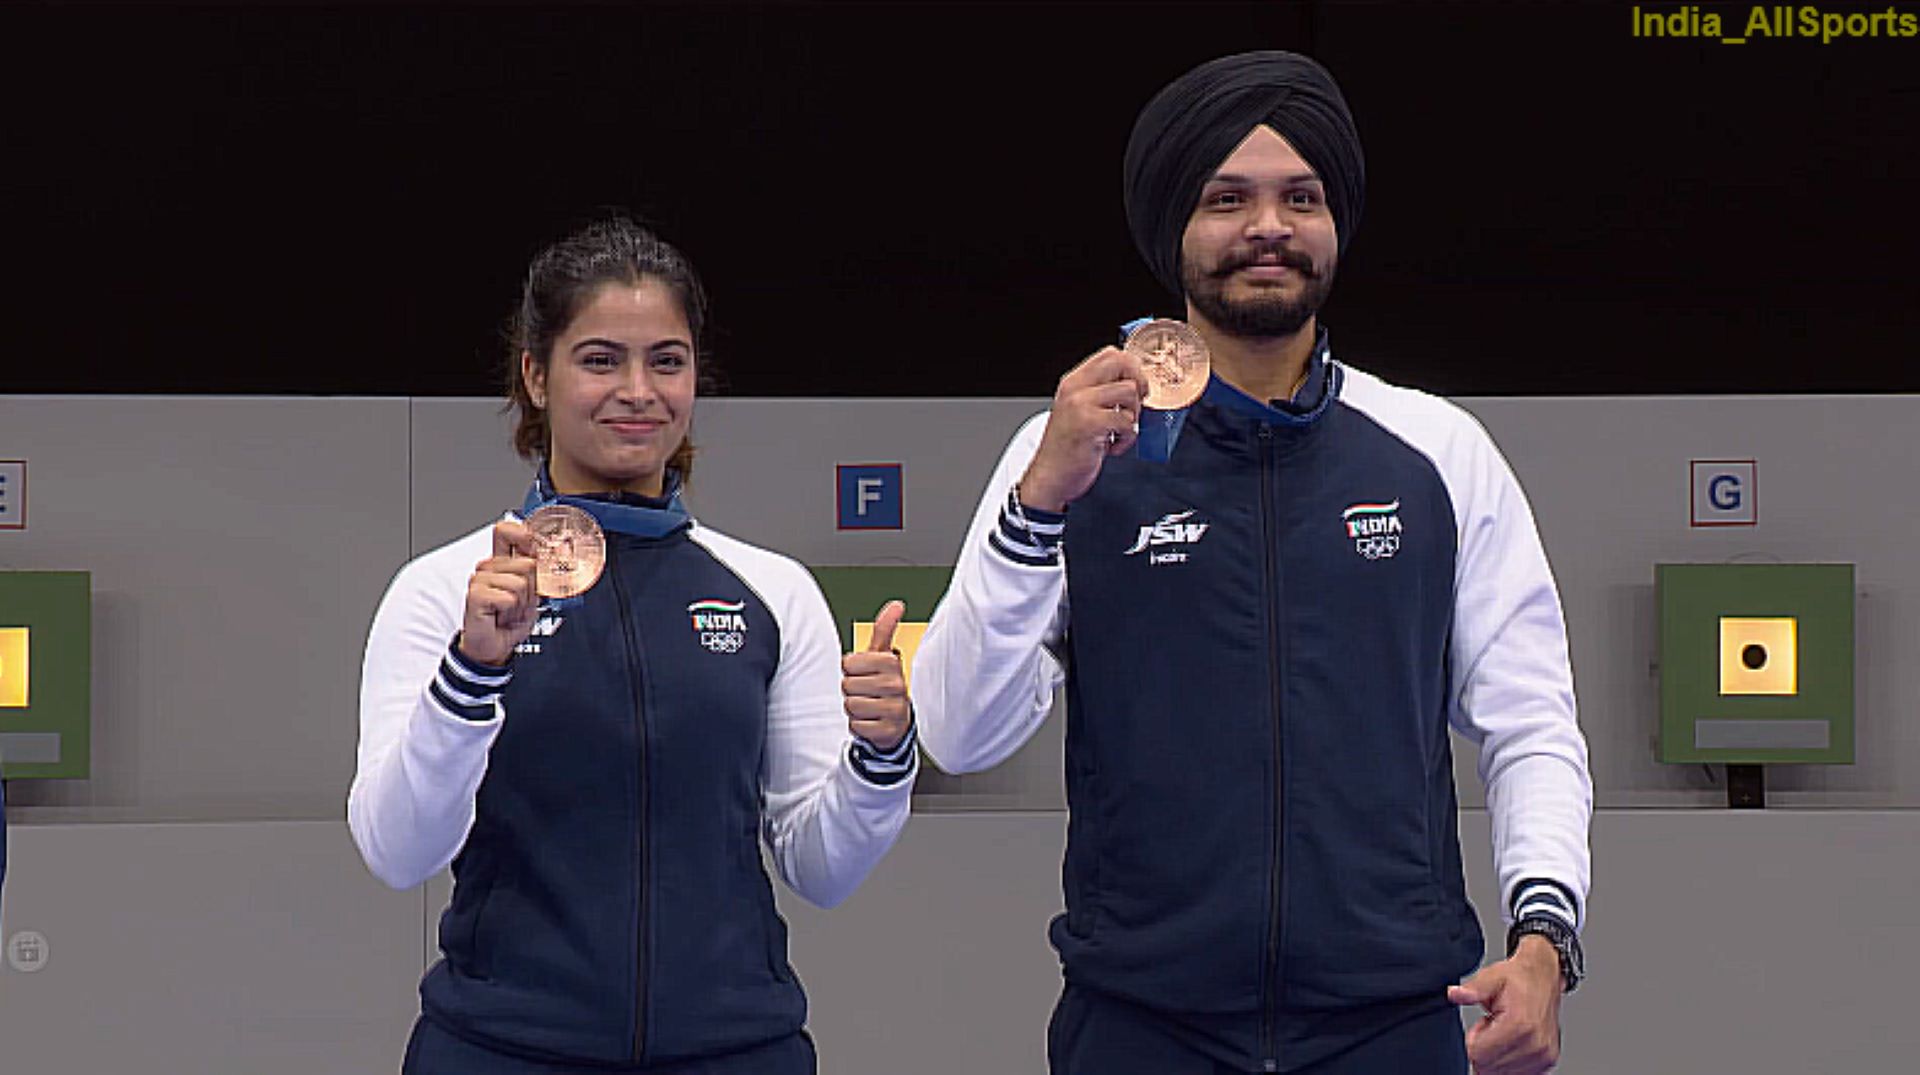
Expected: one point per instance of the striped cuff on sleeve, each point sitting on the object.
(1028, 535)
(1534, 898)
(466, 688)
(885, 767)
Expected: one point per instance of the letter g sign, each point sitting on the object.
(1723, 493)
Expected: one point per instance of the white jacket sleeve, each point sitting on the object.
(826, 824)
(1513, 685)
(985, 674)
(420, 761)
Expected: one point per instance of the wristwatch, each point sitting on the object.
(1573, 962)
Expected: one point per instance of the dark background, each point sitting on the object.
(923, 199)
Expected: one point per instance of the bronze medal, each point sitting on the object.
(569, 550)
(1176, 362)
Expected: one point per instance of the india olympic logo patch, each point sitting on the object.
(1374, 528)
(720, 625)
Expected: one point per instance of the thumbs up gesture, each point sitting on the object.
(875, 685)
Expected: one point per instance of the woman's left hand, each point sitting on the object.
(875, 685)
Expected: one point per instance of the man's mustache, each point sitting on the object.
(1292, 259)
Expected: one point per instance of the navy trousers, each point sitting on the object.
(1095, 1035)
(435, 1051)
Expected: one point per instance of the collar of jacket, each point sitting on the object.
(617, 512)
(1226, 414)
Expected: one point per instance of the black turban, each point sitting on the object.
(1189, 128)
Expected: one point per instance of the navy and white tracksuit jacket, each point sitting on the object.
(602, 799)
(1264, 642)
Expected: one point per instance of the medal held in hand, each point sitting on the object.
(1177, 365)
(1176, 362)
(569, 551)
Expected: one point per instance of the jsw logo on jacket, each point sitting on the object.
(1172, 529)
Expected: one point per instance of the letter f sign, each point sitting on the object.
(870, 496)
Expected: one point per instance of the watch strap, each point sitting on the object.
(1566, 945)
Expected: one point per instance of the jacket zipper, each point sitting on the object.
(635, 679)
(1271, 594)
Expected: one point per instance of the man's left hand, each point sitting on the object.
(1520, 1034)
